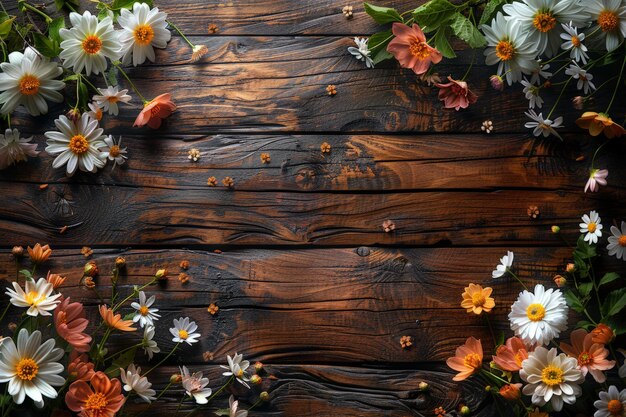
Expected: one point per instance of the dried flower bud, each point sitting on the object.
(423, 386)
(17, 251)
(555, 229)
(12, 326)
(560, 281)
(183, 278)
(86, 251)
(211, 182)
(465, 411)
(264, 396)
(578, 102)
(487, 388)
(256, 380)
(91, 269)
(511, 392)
(89, 283)
(258, 366)
(120, 262)
(389, 226)
(439, 411)
(213, 309)
(496, 82)
(184, 264)
(207, 356)
(602, 334)
(176, 379)
(161, 274)
(325, 147)
(73, 115)
(570, 268)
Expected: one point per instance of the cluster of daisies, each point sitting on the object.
(57, 359)
(530, 372)
(90, 46)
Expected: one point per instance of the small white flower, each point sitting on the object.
(233, 408)
(617, 242)
(108, 99)
(532, 94)
(487, 126)
(195, 385)
(538, 317)
(183, 331)
(612, 403)
(15, 149)
(237, 368)
(622, 369)
(540, 71)
(145, 314)
(37, 296)
(591, 226)
(505, 263)
(574, 43)
(583, 77)
(149, 346)
(610, 17)
(113, 152)
(543, 126)
(143, 29)
(133, 381)
(596, 176)
(94, 111)
(362, 52)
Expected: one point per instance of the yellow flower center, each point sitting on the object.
(505, 50)
(519, 358)
(113, 99)
(608, 21)
(96, 402)
(29, 85)
(26, 369)
(472, 361)
(585, 359)
(144, 34)
(79, 144)
(615, 407)
(239, 373)
(622, 241)
(92, 44)
(591, 227)
(419, 49)
(575, 41)
(183, 334)
(478, 299)
(544, 21)
(143, 310)
(33, 298)
(536, 312)
(115, 152)
(552, 375)
(98, 114)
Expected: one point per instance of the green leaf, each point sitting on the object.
(608, 277)
(128, 4)
(490, 10)
(72, 77)
(573, 302)
(584, 250)
(83, 95)
(433, 14)
(617, 324)
(5, 27)
(26, 273)
(378, 45)
(67, 4)
(55, 26)
(223, 412)
(465, 30)
(584, 324)
(442, 44)
(382, 15)
(614, 302)
(112, 76)
(121, 361)
(46, 46)
(585, 288)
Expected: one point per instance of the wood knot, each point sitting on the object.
(363, 251)
(306, 178)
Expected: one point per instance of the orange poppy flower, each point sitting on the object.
(102, 397)
(468, 359)
(155, 110)
(115, 320)
(602, 334)
(39, 254)
(477, 299)
(511, 392)
(79, 367)
(597, 123)
(509, 357)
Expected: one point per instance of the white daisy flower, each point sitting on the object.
(77, 144)
(150, 347)
(622, 369)
(505, 263)
(551, 377)
(237, 368)
(574, 43)
(538, 317)
(28, 80)
(37, 296)
(145, 314)
(543, 126)
(617, 242)
(143, 29)
(183, 331)
(591, 226)
(583, 77)
(540, 20)
(539, 71)
(113, 151)
(531, 92)
(596, 176)
(108, 99)
(88, 43)
(94, 111)
(30, 367)
(133, 381)
(612, 403)
(362, 51)
(195, 385)
(233, 408)
(610, 17)
(15, 149)
(507, 47)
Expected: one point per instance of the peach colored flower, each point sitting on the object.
(477, 299)
(591, 356)
(456, 94)
(55, 279)
(602, 334)
(467, 360)
(597, 123)
(509, 357)
(155, 110)
(79, 367)
(511, 392)
(70, 323)
(39, 254)
(102, 397)
(115, 320)
(410, 48)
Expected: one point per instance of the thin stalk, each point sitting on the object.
(47, 18)
(163, 360)
(619, 80)
(157, 398)
(132, 85)
(517, 278)
(558, 99)
(122, 351)
(132, 294)
(180, 32)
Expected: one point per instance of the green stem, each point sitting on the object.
(132, 294)
(122, 351)
(517, 278)
(558, 99)
(6, 309)
(163, 360)
(157, 398)
(596, 154)
(619, 80)
(222, 388)
(132, 85)
(106, 335)
(47, 18)
(181, 34)
(83, 78)
(180, 403)
(469, 68)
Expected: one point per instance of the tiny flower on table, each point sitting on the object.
(467, 360)
(456, 94)
(362, 52)
(146, 315)
(597, 177)
(113, 151)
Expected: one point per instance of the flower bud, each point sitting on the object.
(256, 380)
(511, 392)
(91, 269)
(465, 411)
(73, 114)
(560, 281)
(17, 251)
(264, 396)
(258, 366)
(56, 280)
(602, 334)
(570, 268)
(176, 379)
(497, 82)
(578, 102)
(555, 229)
(12, 326)
(423, 386)
(120, 262)
(161, 274)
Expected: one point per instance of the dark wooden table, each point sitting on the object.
(306, 280)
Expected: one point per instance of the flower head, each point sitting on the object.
(591, 226)
(70, 324)
(362, 52)
(476, 299)
(610, 17)
(596, 176)
(509, 357)
(584, 78)
(113, 151)
(39, 254)
(456, 94)
(195, 385)
(237, 367)
(497, 83)
(511, 392)
(591, 357)
(541, 126)
(155, 111)
(133, 381)
(468, 359)
(598, 123)
(574, 43)
(15, 149)
(37, 296)
(150, 347)
(55, 279)
(411, 49)
(198, 51)
(531, 92)
(505, 263)
(101, 397)
(115, 321)
(143, 29)
(612, 403)
(183, 331)
(145, 314)
(233, 408)
(109, 97)
(79, 367)
(602, 334)
(617, 242)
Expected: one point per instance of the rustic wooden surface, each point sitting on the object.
(307, 281)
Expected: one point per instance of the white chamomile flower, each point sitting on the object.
(150, 347)
(539, 71)
(531, 92)
(610, 17)
(76, 144)
(540, 20)
(617, 242)
(28, 80)
(237, 368)
(583, 77)
(113, 151)
(95, 112)
(612, 403)
(505, 263)
(133, 381)
(538, 317)
(183, 331)
(591, 226)
(195, 385)
(37, 296)
(622, 369)
(551, 377)
(15, 149)
(89, 43)
(574, 43)
(108, 99)
(143, 29)
(507, 47)
(145, 314)
(233, 408)
(362, 52)
(541, 126)
(30, 367)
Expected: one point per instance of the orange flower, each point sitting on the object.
(410, 48)
(79, 367)
(602, 334)
(591, 356)
(597, 123)
(509, 357)
(70, 324)
(39, 254)
(155, 110)
(115, 320)
(102, 397)
(476, 299)
(467, 360)
(511, 392)
(56, 280)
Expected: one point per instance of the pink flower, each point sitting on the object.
(596, 176)
(509, 357)
(410, 48)
(496, 82)
(70, 323)
(155, 110)
(456, 94)
(591, 356)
